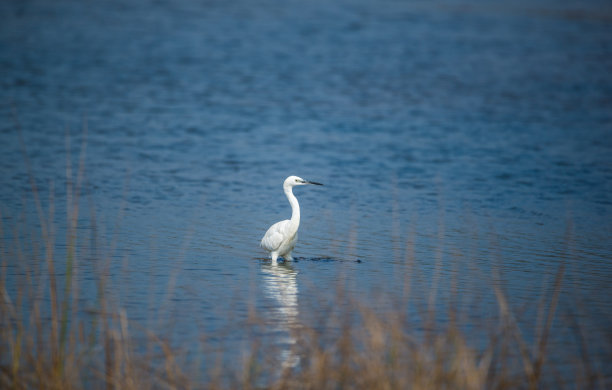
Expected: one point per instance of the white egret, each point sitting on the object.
(281, 237)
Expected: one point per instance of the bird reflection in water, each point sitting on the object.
(280, 285)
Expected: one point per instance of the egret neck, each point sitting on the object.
(295, 209)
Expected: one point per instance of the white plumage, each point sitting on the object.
(281, 237)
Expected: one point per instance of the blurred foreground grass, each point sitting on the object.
(366, 350)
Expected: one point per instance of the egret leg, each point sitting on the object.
(288, 257)
(274, 257)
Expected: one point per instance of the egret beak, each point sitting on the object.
(312, 182)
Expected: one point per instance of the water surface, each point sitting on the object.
(459, 143)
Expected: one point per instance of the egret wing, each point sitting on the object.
(275, 236)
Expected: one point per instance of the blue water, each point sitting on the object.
(460, 144)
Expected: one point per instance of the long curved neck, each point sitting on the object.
(295, 208)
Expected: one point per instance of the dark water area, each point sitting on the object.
(460, 144)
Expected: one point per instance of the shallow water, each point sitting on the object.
(459, 143)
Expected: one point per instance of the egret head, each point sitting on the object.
(293, 181)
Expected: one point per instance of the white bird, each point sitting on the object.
(281, 237)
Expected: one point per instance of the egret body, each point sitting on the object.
(281, 237)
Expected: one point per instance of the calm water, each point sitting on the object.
(454, 139)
